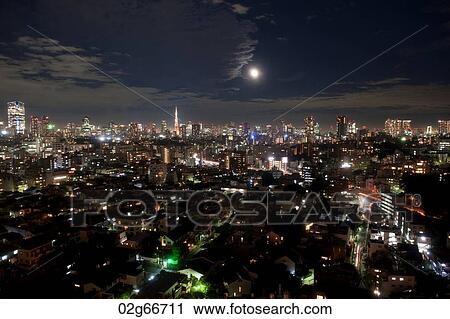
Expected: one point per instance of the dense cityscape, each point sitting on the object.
(352, 212)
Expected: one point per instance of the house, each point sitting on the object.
(137, 241)
(237, 286)
(8, 253)
(132, 274)
(166, 241)
(166, 284)
(182, 233)
(397, 284)
(197, 267)
(163, 223)
(98, 282)
(32, 250)
(288, 262)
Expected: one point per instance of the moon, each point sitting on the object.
(254, 73)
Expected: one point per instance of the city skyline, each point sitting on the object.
(343, 124)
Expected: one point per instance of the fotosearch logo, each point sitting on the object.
(140, 208)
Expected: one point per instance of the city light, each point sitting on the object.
(346, 165)
(224, 155)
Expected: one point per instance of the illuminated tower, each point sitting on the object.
(310, 129)
(86, 126)
(16, 116)
(176, 125)
(35, 126)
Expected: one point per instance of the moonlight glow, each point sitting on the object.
(254, 73)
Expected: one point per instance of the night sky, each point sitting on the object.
(195, 54)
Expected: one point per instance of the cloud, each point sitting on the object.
(423, 98)
(242, 57)
(311, 17)
(412, 101)
(236, 7)
(390, 81)
(239, 8)
(44, 45)
(211, 38)
(42, 58)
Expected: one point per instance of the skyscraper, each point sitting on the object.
(341, 126)
(39, 127)
(35, 126)
(397, 127)
(86, 126)
(443, 127)
(196, 129)
(176, 125)
(16, 116)
(311, 128)
(164, 127)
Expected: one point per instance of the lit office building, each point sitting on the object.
(397, 127)
(341, 127)
(16, 116)
(444, 127)
(196, 129)
(86, 127)
(35, 126)
(311, 129)
(39, 127)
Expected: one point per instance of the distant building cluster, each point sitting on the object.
(348, 211)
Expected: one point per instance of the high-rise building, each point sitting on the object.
(189, 128)
(311, 128)
(45, 126)
(39, 127)
(196, 129)
(444, 127)
(183, 131)
(163, 127)
(35, 126)
(16, 116)
(157, 173)
(176, 125)
(398, 127)
(134, 129)
(70, 129)
(86, 126)
(351, 128)
(166, 155)
(235, 161)
(238, 163)
(341, 126)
